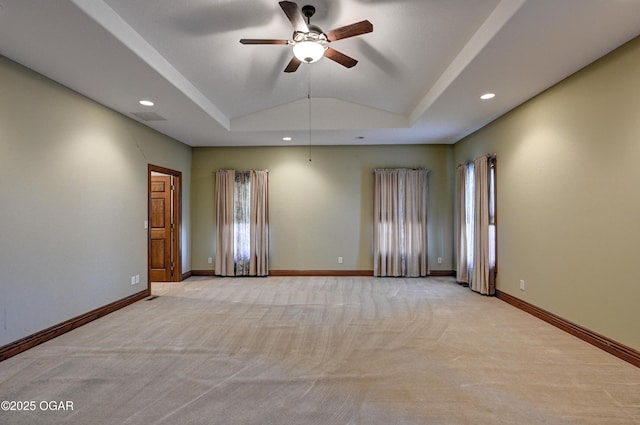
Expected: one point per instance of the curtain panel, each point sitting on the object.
(400, 223)
(480, 281)
(259, 228)
(242, 223)
(225, 184)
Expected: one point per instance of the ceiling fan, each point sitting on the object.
(309, 42)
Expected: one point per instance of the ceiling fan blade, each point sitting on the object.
(293, 65)
(352, 30)
(341, 58)
(295, 16)
(262, 41)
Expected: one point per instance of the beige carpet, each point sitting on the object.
(320, 351)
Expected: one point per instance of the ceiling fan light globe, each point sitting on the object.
(308, 51)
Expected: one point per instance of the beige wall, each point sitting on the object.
(568, 204)
(73, 190)
(73, 184)
(322, 209)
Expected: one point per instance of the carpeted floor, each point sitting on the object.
(319, 350)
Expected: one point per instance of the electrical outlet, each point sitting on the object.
(210, 260)
(339, 260)
(439, 260)
(137, 278)
(133, 280)
(522, 285)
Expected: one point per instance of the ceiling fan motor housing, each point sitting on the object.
(314, 34)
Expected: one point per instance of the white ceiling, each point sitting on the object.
(418, 80)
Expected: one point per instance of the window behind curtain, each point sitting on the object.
(241, 223)
(492, 215)
(469, 213)
(478, 229)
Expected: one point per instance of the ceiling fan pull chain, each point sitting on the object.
(309, 102)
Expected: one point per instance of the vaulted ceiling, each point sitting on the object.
(419, 76)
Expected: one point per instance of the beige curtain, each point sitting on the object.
(242, 224)
(400, 222)
(259, 231)
(483, 275)
(462, 267)
(225, 180)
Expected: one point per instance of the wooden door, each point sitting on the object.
(161, 245)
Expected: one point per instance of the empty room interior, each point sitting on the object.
(429, 217)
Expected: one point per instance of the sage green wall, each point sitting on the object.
(73, 185)
(322, 209)
(567, 193)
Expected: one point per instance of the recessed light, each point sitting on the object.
(487, 96)
(146, 103)
(286, 139)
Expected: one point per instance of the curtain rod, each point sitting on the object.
(231, 169)
(488, 155)
(402, 168)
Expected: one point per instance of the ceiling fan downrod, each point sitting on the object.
(308, 11)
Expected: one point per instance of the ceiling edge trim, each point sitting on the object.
(503, 12)
(105, 16)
